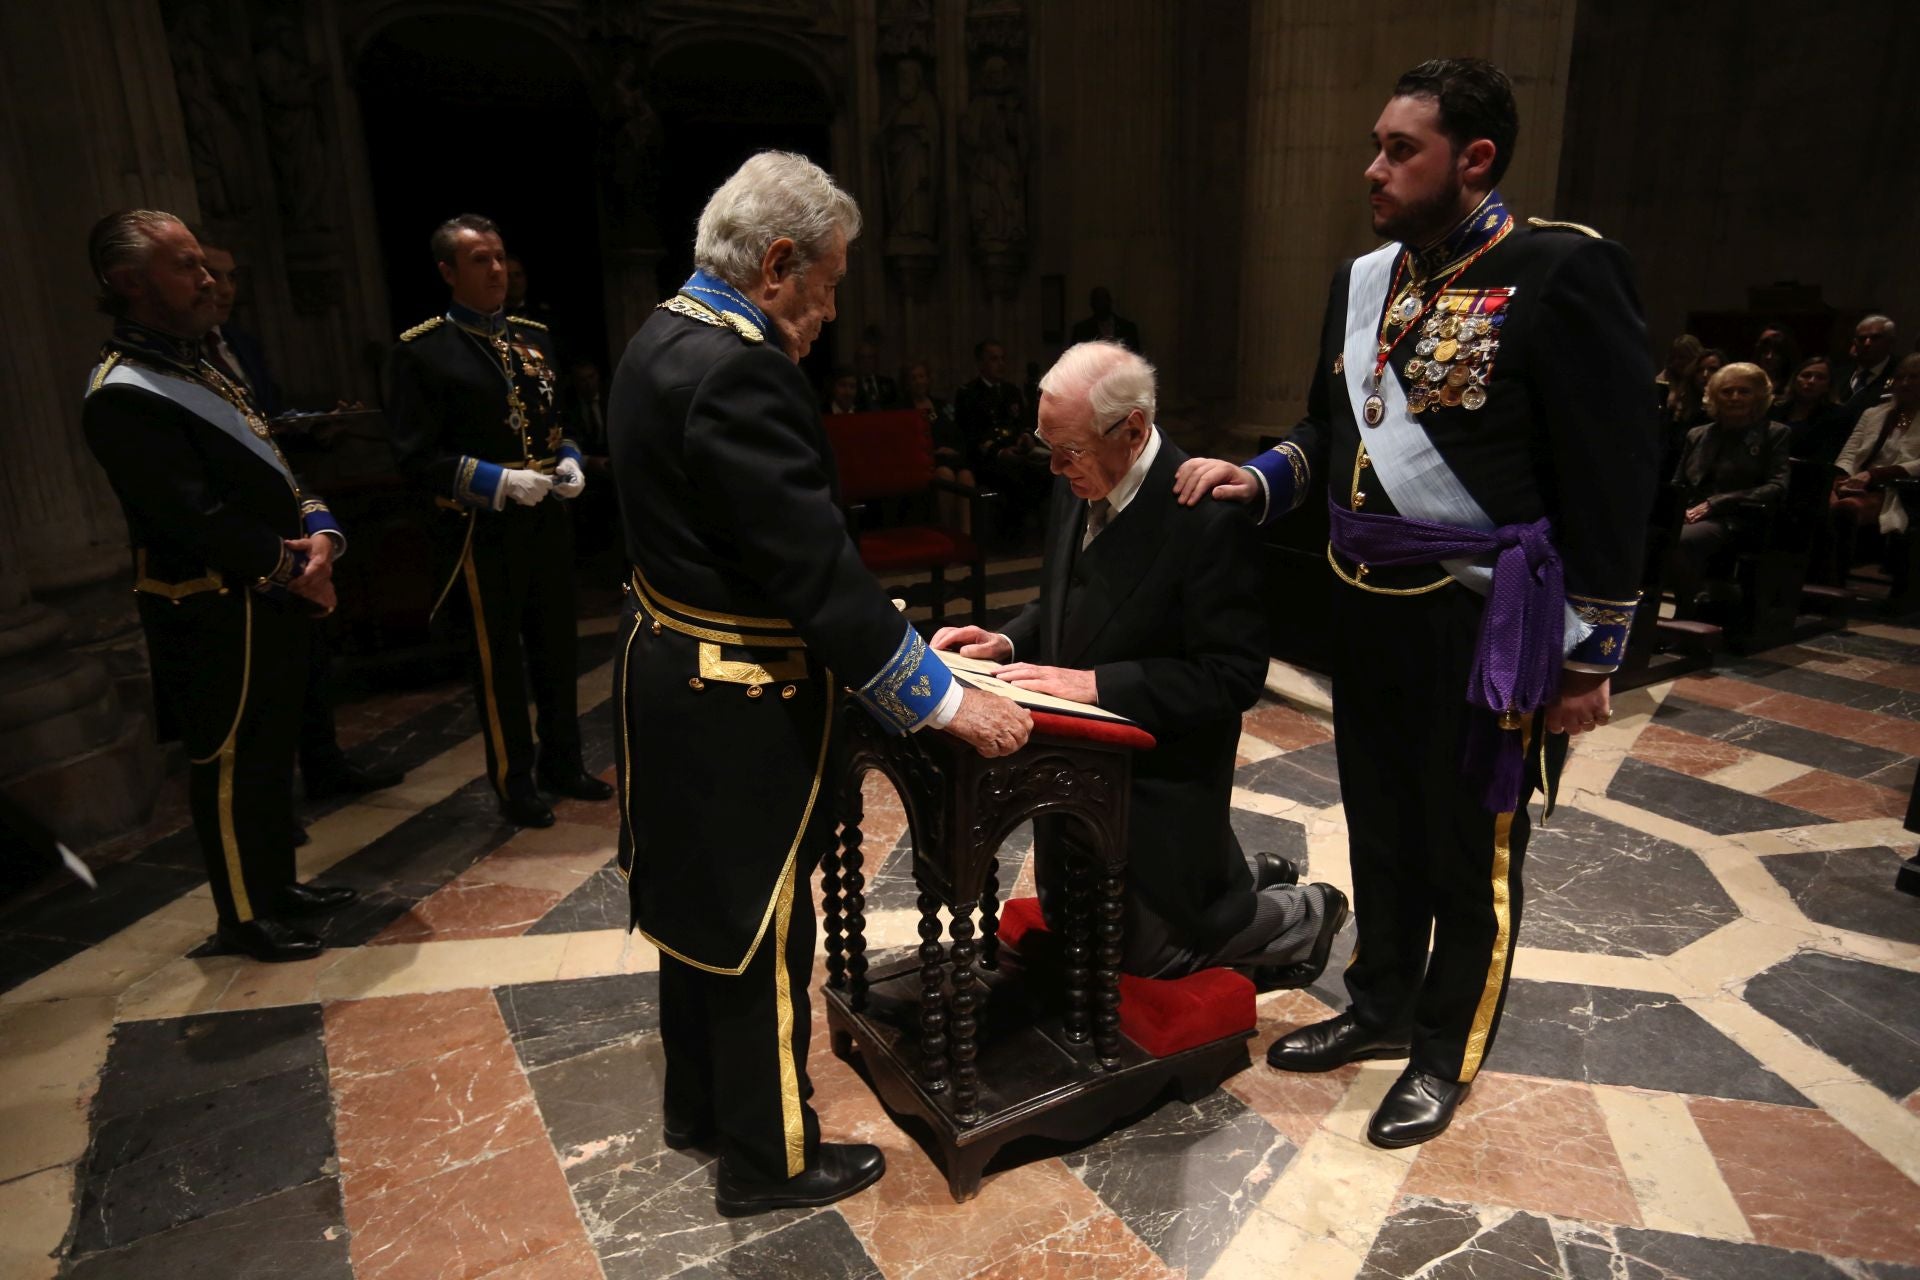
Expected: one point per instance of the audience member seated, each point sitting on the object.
(1777, 354)
(1882, 448)
(1104, 325)
(843, 394)
(1682, 354)
(1863, 383)
(875, 390)
(1737, 459)
(949, 451)
(1812, 412)
(1684, 406)
(992, 414)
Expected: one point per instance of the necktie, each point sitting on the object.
(1097, 512)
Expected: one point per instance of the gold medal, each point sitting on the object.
(1474, 397)
(1449, 328)
(1446, 351)
(1340, 363)
(1457, 376)
(1415, 368)
(1450, 395)
(1373, 409)
(1417, 400)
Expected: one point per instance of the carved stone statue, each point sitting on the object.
(290, 108)
(213, 102)
(632, 145)
(910, 156)
(993, 138)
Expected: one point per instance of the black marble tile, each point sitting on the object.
(893, 887)
(602, 1107)
(129, 891)
(1435, 1240)
(167, 1059)
(1866, 1016)
(1596, 886)
(1263, 833)
(601, 902)
(1852, 644)
(1788, 742)
(1898, 777)
(553, 1021)
(1178, 1177)
(1850, 889)
(652, 1215)
(298, 1234)
(1306, 775)
(1632, 1253)
(822, 1246)
(1699, 803)
(406, 746)
(1640, 1039)
(22, 957)
(1860, 695)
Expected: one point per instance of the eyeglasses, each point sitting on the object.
(1074, 455)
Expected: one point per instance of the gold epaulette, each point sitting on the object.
(1545, 224)
(423, 327)
(681, 305)
(531, 324)
(100, 374)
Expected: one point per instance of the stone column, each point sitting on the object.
(1317, 78)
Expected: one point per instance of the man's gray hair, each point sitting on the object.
(1113, 380)
(1878, 322)
(119, 241)
(775, 194)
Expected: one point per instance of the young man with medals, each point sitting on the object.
(474, 419)
(748, 614)
(1478, 411)
(231, 557)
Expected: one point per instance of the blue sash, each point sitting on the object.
(201, 403)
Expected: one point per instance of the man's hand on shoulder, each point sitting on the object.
(990, 724)
(1198, 478)
(1071, 683)
(973, 642)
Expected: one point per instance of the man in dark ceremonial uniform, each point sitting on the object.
(1478, 409)
(474, 419)
(230, 558)
(748, 614)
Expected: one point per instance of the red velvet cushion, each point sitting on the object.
(1162, 1016)
(919, 546)
(881, 455)
(1089, 729)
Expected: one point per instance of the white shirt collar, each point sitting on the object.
(1130, 483)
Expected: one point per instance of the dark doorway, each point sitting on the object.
(485, 116)
(718, 104)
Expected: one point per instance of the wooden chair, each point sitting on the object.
(882, 456)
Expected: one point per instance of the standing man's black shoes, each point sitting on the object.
(1270, 869)
(1322, 1046)
(269, 940)
(346, 779)
(1418, 1107)
(840, 1170)
(315, 899)
(526, 811)
(575, 783)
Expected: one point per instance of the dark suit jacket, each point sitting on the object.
(1871, 392)
(1164, 607)
(1125, 332)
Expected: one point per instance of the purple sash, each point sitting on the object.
(1516, 666)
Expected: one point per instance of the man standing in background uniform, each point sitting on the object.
(748, 611)
(1479, 411)
(472, 408)
(231, 560)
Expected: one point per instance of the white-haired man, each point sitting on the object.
(748, 611)
(1152, 609)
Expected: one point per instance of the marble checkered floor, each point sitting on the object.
(1709, 1066)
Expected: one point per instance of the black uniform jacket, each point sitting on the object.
(1565, 431)
(1164, 607)
(749, 608)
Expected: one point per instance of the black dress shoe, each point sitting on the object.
(300, 836)
(840, 1170)
(1304, 973)
(1270, 869)
(269, 940)
(315, 899)
(681, 1137)
(1322, 1046)
(1418, 1107)
(526, 811)
(346, 779)
(576, 784)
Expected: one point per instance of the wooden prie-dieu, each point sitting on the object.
(963, 1037)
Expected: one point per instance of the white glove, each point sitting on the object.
(523, 486)
(568, 480)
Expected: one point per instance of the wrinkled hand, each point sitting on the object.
(1696, 514)
(568, 480)
(1582, 704)
(1198, 478)
(990, 724)
(524, 486)
(314, 583)
(1071, 683)
(973, 642)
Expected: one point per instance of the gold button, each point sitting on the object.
(696, 684)
(788, 691)
(1359, 499)
(1360, 571)
(656, 628)
(754, 691)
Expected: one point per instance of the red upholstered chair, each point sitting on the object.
(890, 455)
(1162, 1015)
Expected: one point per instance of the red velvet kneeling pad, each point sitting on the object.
(1162, 1015)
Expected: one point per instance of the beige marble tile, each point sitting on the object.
(42, 1132)
(410, 968)
(1264, 1240)
(99, 971)
(606, 951)
(55, 1049)
(1636, 973)
(345, 832)
(1758, 773)
(36, 1210)
(1669, 1167)
(224, 983)
(1256, 748)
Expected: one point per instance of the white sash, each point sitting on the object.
(1410, 469)
(202, 403)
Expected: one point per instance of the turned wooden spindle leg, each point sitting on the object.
(961, 1043)
(832, 911)
(933, 997)
(853, 888)
(990, 917)
(1079, 953)
(1106, 1025)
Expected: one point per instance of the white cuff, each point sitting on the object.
(1009, 639)
(339, 541)
(944, 713)
(1266, 493)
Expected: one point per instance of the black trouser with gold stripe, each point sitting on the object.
(1429, 862)
(516, 582)
(736, 1046)
(232, 670)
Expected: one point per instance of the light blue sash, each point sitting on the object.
(202, 403)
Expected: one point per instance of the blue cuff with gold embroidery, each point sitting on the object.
(1284, 478)
(315, 518)
(908, 689)
(477, 483)
(568, 449)
(1606, 645)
